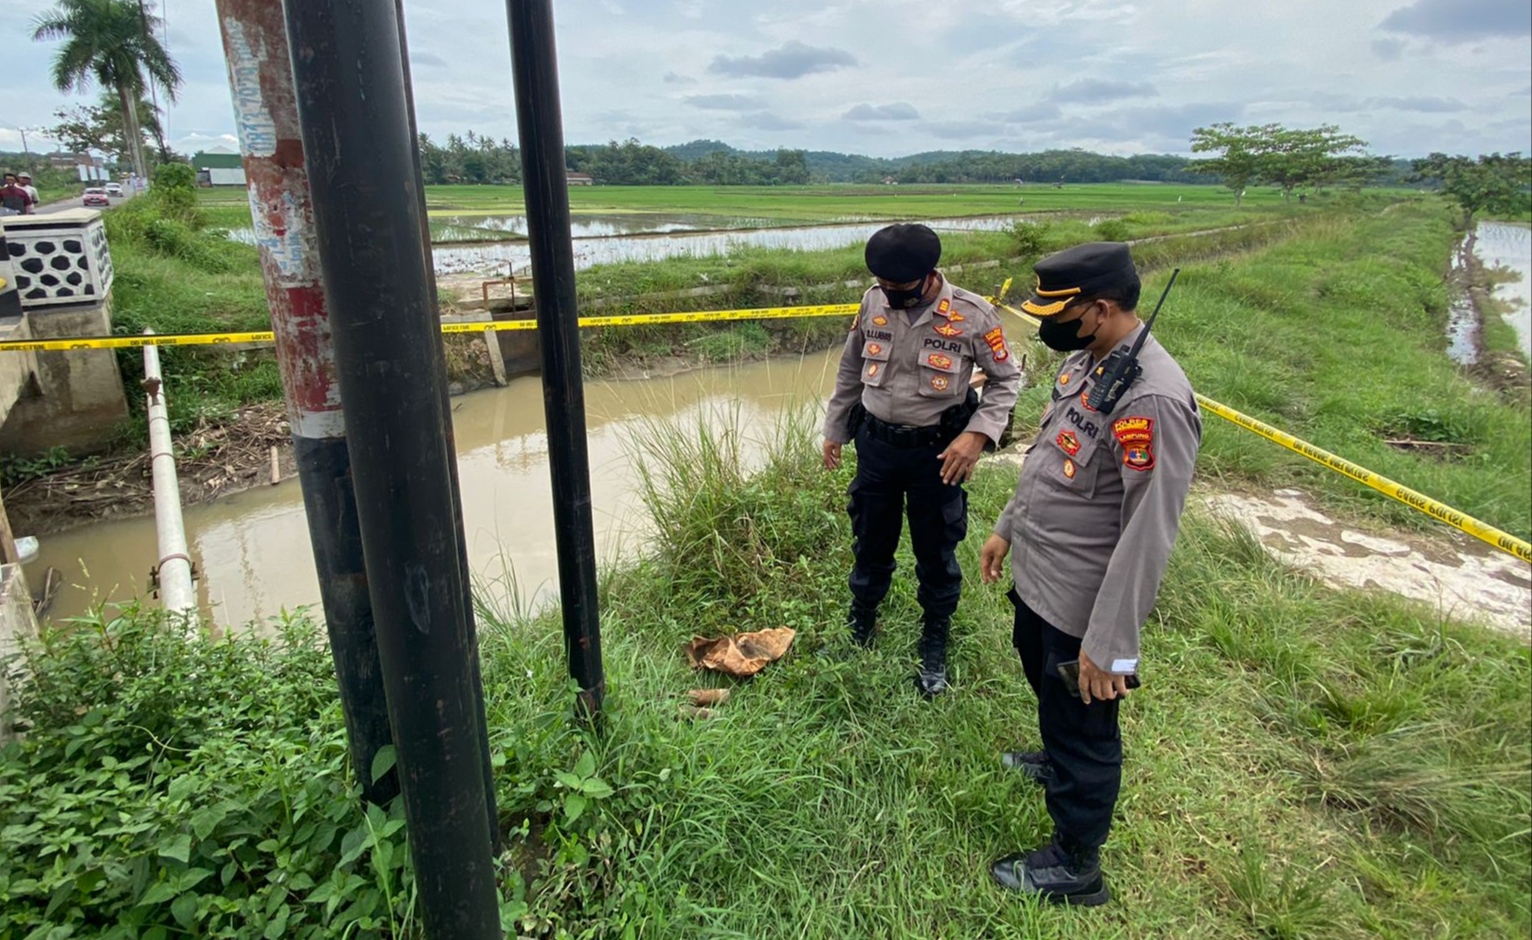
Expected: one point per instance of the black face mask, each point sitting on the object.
(904, 299)
(1065, 337)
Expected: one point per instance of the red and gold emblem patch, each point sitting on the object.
(1085, 401)
(1136, 435)
(1064, 379)
(946, 329)
(955, 317)
(944, 306)
(938, 361)
(1069, 442)
(879, 320)
(939, 382)
(873, 349)
(996, 340)
(1069, 468)
(872, 370)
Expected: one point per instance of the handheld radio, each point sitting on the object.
(1121, 369)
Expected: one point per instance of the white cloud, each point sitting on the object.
(960, 66)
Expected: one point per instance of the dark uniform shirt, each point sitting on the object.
(1099, 503)
(908, 370)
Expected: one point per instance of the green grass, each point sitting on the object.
(1302, 762)
(844, 202)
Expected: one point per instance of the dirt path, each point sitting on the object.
(1461, 577)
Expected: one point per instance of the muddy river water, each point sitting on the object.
(252, 549)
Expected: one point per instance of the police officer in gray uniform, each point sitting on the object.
(902, 394)
(1089, 530)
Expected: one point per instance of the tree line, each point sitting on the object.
(476, 158)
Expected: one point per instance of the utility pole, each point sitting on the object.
(534, 67)
(282, 209)
(355, 128)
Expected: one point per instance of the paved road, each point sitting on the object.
(76, 202)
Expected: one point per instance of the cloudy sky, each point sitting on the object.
(893, 77)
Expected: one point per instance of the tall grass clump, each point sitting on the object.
(171, 784)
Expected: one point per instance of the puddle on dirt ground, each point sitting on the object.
(1463, 320)
(1496, 245)
(1455, 575)
(1502, 245)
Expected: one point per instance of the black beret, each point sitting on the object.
(1081, 271)
(904, 252)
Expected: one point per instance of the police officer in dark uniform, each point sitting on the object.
(902, 394)
(1089, 530)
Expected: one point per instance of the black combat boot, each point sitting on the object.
(863, 621)
(1058, 873)
(1036, 765)
(932, 677)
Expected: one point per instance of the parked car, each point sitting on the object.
(113, 189)
(96, 196)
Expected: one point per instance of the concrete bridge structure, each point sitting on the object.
(57, 273)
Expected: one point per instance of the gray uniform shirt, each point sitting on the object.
(908, 371)
(1099, 503)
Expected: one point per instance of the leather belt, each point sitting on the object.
(903, 435)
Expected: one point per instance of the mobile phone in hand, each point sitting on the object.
(1070, 673)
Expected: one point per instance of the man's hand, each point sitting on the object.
(1096, 683)
(961, 455)
(992, 556)
(832, 455)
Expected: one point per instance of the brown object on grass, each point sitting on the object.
(709, 696)
(693, 713)
(743, 654)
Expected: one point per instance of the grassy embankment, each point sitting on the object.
(1302, 762)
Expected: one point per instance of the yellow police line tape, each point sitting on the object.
(1461, 521)
(1504, 541)
(1458, 520)
(476, 326)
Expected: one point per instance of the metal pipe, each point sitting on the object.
(534, 67)
(282, 209)
(355, 129)
(457, 496)
(174, 570)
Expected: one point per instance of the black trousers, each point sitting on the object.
(892, 482)
(1083, 741)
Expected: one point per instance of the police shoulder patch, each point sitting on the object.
(995, 339)
(1136, 435)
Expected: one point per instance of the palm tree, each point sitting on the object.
(112, 42)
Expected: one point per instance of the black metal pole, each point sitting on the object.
(355, 128)
(534, 67)
(457, 496)
(261, 83)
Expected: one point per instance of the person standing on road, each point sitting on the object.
(13, 198)
(1091, 524)
(25, 180)
(902, 394)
